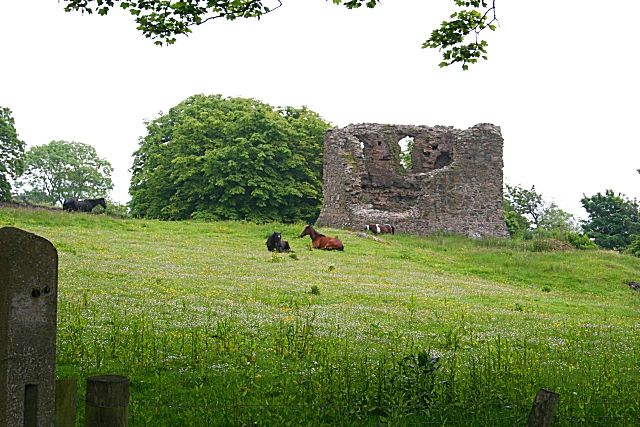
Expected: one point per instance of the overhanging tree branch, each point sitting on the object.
(164, 20)
(451, 37)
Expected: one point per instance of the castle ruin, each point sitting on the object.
(452, 184)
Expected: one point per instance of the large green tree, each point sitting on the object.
(11, 153)
(229, 158)
(614, 220)
(163, 20)
(62, 170)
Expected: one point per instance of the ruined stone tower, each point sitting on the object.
(454, 183)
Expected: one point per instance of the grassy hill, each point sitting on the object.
(214, 330)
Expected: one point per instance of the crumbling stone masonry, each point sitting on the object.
(454, 183)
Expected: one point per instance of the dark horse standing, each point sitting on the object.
(275, 243)
(320, 241)
(380, 228)
(83, 205)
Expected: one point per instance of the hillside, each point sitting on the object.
(214, 330)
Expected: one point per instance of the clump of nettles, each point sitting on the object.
(546, 289)
(315, 290)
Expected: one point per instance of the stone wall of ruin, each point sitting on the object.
(454, 183)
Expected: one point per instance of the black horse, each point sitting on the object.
(86, 205)
(275, 243)
(70, 205)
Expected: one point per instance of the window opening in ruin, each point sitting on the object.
(406, 147)
(444, 159)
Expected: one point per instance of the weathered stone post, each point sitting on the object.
(28, 311)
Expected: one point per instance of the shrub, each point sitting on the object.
(203, 216)
(517, 224)
(115, 209)
(580, 241)
(634, 247)
(549, 245)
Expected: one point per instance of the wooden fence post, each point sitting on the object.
(107, 403)
(66, 402)
(543, 409)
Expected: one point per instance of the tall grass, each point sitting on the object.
(409, 331)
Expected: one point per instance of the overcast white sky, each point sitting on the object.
(561, 80)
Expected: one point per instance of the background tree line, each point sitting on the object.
(48, 174)
(211, 157)
(613, 220)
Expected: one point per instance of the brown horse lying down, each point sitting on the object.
(320, 241)
(380, 228)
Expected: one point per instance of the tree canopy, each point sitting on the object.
(229, 158)
(62, 170)
(163, 20)
(11, 153)
(614, 220)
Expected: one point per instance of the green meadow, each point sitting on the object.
(212, 329)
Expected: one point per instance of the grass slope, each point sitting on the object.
(214, 330)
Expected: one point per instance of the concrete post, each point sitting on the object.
(28, 311)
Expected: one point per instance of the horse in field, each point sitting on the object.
(70, 205)
(275, 243)
(380, 228)
(86, 205)
(320, 241)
